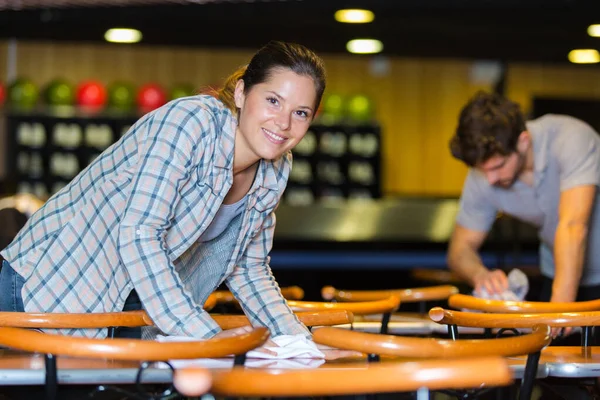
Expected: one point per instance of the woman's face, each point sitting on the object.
(275, 115)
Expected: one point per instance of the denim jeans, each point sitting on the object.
(11, 285)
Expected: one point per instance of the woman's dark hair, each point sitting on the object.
(489, 125)
(276, 55)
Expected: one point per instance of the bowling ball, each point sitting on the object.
(332, 109)
(23, 93)
(91, 94)
(59, 93)
(2, 93)
(181, 90)
(150, 97)
(334, 105)
(361, 108)
(121, 96)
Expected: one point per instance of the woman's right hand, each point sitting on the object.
(233, 332)
(333, 353)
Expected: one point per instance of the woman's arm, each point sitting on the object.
(168, 154)
(254, 286)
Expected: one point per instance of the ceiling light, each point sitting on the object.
(123, 35)
(584, 56)
(594, 30)
(364, 46)
(354, 16)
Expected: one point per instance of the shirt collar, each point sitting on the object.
(267, 175)
(223, 157)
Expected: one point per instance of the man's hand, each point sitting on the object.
(493, 282)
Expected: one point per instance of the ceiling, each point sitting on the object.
(509, 30)
(32, 4)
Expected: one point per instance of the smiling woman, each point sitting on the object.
(282, 108)
(275, 98)
(182, 203)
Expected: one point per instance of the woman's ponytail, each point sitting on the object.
(227, 92)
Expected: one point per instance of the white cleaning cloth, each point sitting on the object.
(286, 347)
(518, 286)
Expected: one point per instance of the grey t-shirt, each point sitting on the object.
(566, 155)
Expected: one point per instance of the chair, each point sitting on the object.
(350, 378)
(125, 350)
(211, 301)
(377, 345)
(410, 295)
(560, 361)
(462, 301)
(384, 306)
(581, 361)
(111, 321)
(401, 323)
(228, 304)
(308, 318)
(289, 293)
(132, 319)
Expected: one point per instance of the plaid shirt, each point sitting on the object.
(125, 219)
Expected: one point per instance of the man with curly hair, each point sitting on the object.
(544, 172)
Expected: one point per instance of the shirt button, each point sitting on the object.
(138, 232)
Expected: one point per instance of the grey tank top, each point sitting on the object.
(203, 267)
(225, 214)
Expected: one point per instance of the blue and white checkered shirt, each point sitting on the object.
(125, 219)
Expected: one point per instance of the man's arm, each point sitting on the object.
(575, 208)
(577, 151)
(464, 260)
(476, 215)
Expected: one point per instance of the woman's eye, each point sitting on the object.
(272, 100)
(303, 114)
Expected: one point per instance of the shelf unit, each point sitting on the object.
(45, 150)
(336, 162)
